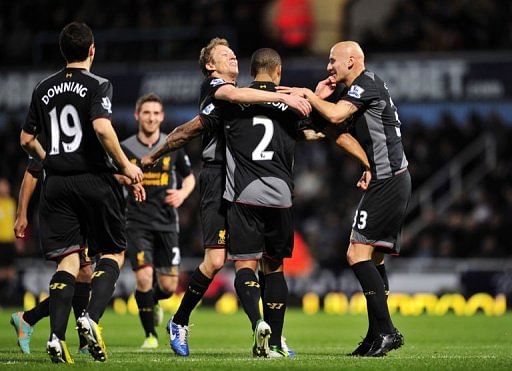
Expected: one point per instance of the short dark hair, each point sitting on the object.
(75, 40)
(264, 59)
(149, 97)
(205, 56)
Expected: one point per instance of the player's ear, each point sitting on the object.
(210, 67)
(92, 50)
(136, 115)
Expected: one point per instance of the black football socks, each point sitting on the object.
(197, 286)
(62, 289)
(145, 303)
(41, 310)
(80, 301)
(275, 299)
(248, 291)
(373, 289)
(103, 283)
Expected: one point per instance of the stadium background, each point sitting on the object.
(448, 67)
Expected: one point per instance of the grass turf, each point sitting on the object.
(223, 342)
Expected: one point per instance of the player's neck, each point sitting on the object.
(353, 75)
(149, 139)
(264, 77)
(225, 76)
(84, 64)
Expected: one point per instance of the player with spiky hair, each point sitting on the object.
(220, 68)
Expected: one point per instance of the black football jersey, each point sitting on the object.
(260, 146)
(154, 214)
(376, 124)
(62, 109)
(213, 137)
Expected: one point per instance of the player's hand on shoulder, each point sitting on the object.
(365, 180)
(174, 197)
(310, 134)
(325, 87)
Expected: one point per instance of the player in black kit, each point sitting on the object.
(152, 227)
(367, 110)
(80, 199)
(220, 67)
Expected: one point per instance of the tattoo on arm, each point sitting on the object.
(179, 137)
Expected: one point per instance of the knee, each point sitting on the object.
(212, 264)
(169, 285)
(144, 278)
(84, 274)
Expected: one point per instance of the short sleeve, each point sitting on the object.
(210, 118)
(32, 123)
(101, 104)
(183, 166)
(362, 92)
(34, 167)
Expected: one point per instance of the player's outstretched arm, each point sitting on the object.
(108, 139)
(180, 136)
(335, 113)
(249, 95)
(28, 185)
(31, 145)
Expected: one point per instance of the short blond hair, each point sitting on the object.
(205, 56)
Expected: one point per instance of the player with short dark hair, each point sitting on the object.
(220, 68)
(367, 110)
(81, 199)
(152, 227)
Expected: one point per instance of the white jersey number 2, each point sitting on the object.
(259, 153)
(62, 124)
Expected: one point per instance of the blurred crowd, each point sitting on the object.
(436, 25)
(159, 30)
(163, 30)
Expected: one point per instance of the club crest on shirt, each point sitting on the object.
(355, 91)
(216, 82)
(166, 162)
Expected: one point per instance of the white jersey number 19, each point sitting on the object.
(62, 123)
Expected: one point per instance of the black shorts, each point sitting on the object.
(381, 212)
(76, 208)
(256, 231)
(147, 248)
(212, 206)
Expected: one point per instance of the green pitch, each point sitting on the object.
(223, 342)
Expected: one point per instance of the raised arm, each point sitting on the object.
(108, 139)
(180, 136)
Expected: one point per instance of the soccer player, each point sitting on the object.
(368, 111)
(23, 322)
(80, 199)
(260, 146)
(152, 227)
(220, 68)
